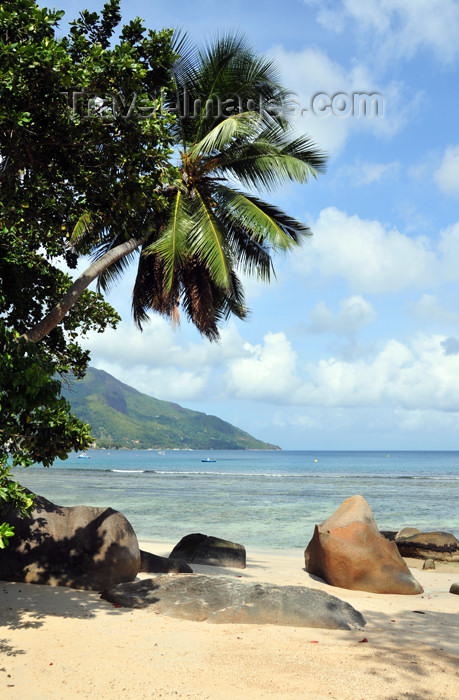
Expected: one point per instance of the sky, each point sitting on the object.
(356, 344)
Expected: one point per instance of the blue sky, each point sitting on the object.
(356, 346)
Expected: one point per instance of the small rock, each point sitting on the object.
(429, 564)
(154, 564)
(407, 532)
(207, 550)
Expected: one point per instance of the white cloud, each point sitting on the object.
(160, 345)
(336, 382)
(265, 372)
(429, 310)
(415, 376)
(354, 313)
(375, 259)
(371, 257)
(169, 384)
(303, 421)
(403, 27)
(449, 250)
(331, 420)
(447, 175)
(368, 173)
(418, 375)
(310, 72)
(428, 421)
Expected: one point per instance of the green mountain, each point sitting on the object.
(121, 416)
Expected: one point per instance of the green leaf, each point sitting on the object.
(81, 228)
(222, 135)
(207, 241)
(6, 531)
(263, 222)
(272, 159)
(172, 243)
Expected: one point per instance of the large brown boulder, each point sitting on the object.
(440, 546)
(205, 549)
(81, 547)
(347, 550)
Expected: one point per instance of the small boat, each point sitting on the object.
(161, 452)
(208, 460)
(84, 456)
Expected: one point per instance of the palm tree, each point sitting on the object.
(231, 133)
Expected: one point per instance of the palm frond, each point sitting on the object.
(233, 303)
(184, 74)
(207, 241)
(150, 291)
(82, 227)
(185, 50)
(271, 159)
(265, 222)
(253, 256)
(206, 304)
(230, 66)
(197, 298)
(255, 81)
(221, 136)
(170, 246)
(216, 60)
(301, 146)
(227, 75)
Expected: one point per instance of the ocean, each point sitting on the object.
(263, 500)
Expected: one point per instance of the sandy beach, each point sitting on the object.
(58, 642)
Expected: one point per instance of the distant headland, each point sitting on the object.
(124, 418)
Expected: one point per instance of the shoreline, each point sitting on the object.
(164, 547)
(65, 643)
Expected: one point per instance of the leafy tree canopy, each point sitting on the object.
(62, 159)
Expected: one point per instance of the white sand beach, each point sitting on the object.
(58, 642)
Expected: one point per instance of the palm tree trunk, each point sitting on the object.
(56, 315)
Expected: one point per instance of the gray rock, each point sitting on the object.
(440, 546)
(454, 588)
(407, 532)
(81, 547)
(153, 564)
(223, 600)
(207, 550)
(429, 564)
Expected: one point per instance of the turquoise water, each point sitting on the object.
(260, 499)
